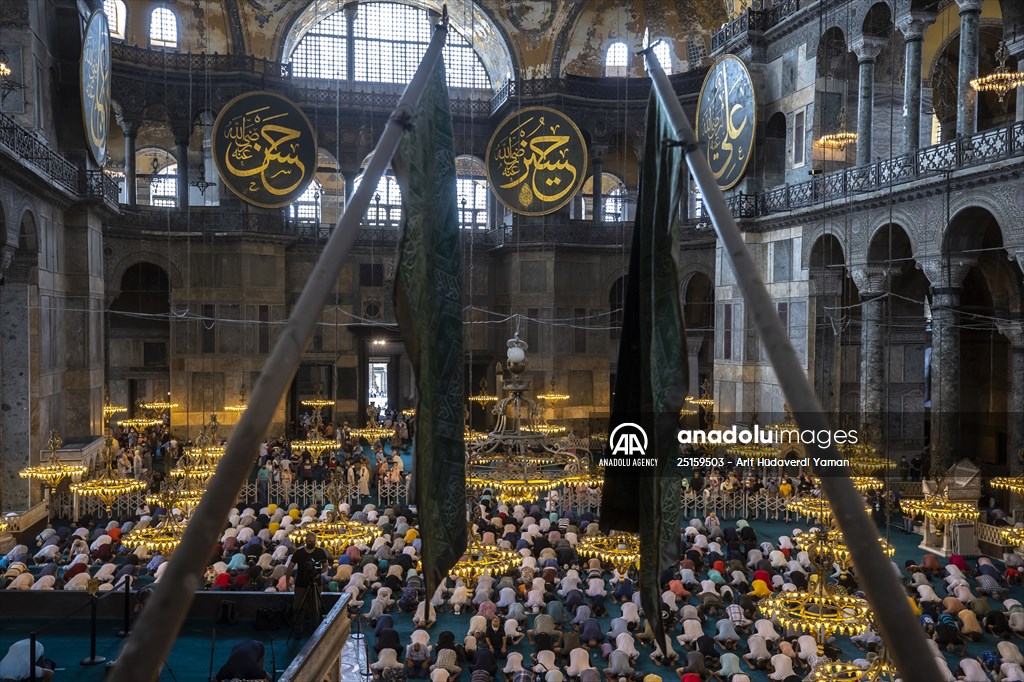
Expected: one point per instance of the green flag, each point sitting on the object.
(651, 375)
(428, 307)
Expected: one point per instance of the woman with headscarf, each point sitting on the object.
(17, 665)
(244, 663)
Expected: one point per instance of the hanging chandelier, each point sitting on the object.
(838, 141)
(940, 508)
(317, 402)
(479, 559)
(621, 550)
(183, 494)
(1013, 536)
(518, 461)
(239, 405)
(372, 433)
(705, 401)
(483, 398)
(409, 412)
(53, 470)
(828, 546)
(315, 443)
(140, 423)
(7, 82)
(162, 538)
(1014, 484)
(336, 533)
(108, 486)
(1001, 81)
(109, 409)
(880, 669)
(553, 396)
(159, 405)
(817, 508)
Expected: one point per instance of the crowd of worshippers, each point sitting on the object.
(556, 616)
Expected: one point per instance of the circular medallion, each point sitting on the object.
(94, 76)
(726, 118)
(264, 148)
(536, 161)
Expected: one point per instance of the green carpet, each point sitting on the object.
(906, 548)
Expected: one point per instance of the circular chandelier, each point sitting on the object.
(940, 508)
(108, 486)
(195, 466)
(1014, 536)
(336, 536)
(879, 670)
(184, 495)
(553, 396)
(317, 402)
(518, 460)
(53, 470)
(826, 547)
(315, 443)
(820, 611)
(239, 405)
(621, 550)
(140, 423)
(163, 537)
(483, 398)
(865, 484)
(1001, 81)
(1014, 484)
(109, 409)
(705, 400)
(838, 141)
(372, 433)
(159, 405)
(479, 559)
(409, 412)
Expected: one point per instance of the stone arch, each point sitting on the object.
(889, 244)
(813, 236)
(962, 235)
(876, 19)
(117, 269)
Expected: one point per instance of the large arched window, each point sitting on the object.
(386, 205)
(616, 62)
(664, 54)
(163, 28)
(613, 199)
(388, 42)
(306, 209)
(163, 188)
(471, 188)
(116, 14)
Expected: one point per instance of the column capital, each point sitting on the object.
(826, 281)
(129, 125)
(871, 281)
(867, 48)
(597, 152)
(1013, 331)
(913, 24)
(946, 273)
(969, 6)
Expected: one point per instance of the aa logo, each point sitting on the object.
(628, 439)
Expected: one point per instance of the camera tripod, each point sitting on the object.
(298, 614)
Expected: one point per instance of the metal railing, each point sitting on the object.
(31, 149)
(197, 62)
(614, 89)
(96, 184)
(964, 152)
(756, 20)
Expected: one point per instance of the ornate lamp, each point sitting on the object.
(1002, 80)
(939, 508)
(480, 559)
(318, 402)
(140, 423)
(409, 412)
(842, 138)
(239, 405)
(553, 396)
(315, 442)
(109, 409)
(163, 537)
(7, 82)
(336, 534)
(1013, 536)
(1014, 484)
(706, 400)
(108, 486)
(159, 406)
(880, 669)
(483, 398)
(53, 470)
(621, 550)
(372, 433)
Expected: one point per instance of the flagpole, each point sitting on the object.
(903, 635)
(159, 623)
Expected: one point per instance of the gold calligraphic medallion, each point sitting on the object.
(264, 148)
(726, 118)
(536, 161)
(94, 76)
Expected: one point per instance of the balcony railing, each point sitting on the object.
(98, 185)
(754, 20)
(964, 152)
(197, 62)
(613, 89)
(25, 145)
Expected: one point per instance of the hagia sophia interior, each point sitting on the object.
(145, 283)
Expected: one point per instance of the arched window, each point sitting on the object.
(163, 28)
(306, 209)
(116, 14)
(613, 199)
(386, 205)
(616, 63)
(696, 51)
(664, 55)
(389, 40)
(163, 188)
(471, 190)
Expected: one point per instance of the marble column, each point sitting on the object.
(913, 25)
(350, 184)
(970, 38)
(350, 42)
(694, 342)
(1016, 49)
(826, 289)
(946, 276)
(181, 155)
(131, 130)
(867, 49)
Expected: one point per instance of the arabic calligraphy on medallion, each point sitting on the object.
(536, 161)
(726, 119)
(94, 77)
(264, 148)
